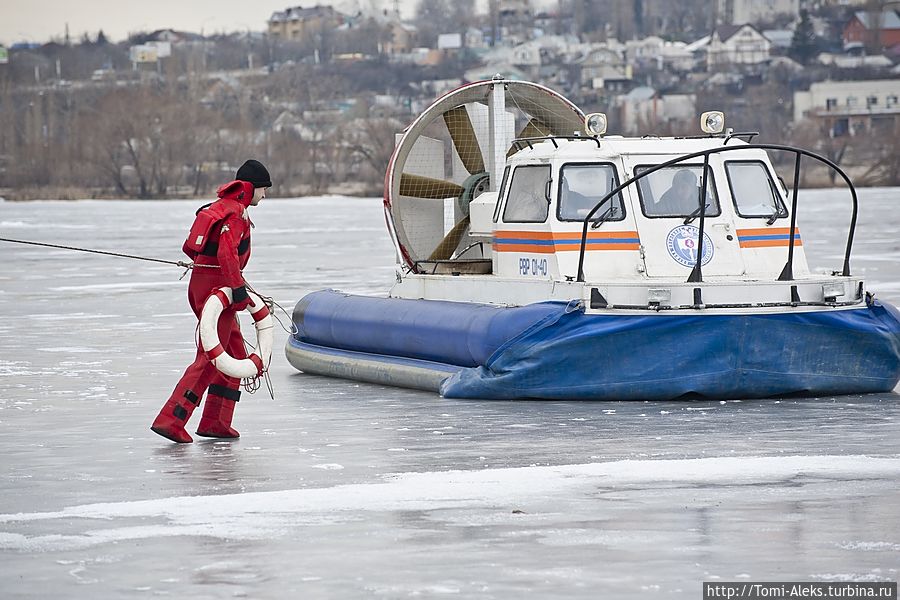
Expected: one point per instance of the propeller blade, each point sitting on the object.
(419, 186)
(464, 139)
(445, 249)
(533, 128)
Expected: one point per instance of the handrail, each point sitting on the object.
(727, 136)
(787, 273)
(552, 139)
(696, 275)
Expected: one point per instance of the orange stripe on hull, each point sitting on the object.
(534, 249)
(768, 231)
(770, 243)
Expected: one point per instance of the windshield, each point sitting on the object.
(675, 192)
(528, 193)
(581, 187)
(753, 190)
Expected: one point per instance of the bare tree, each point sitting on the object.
(819, 137)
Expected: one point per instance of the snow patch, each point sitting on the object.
(262, 515)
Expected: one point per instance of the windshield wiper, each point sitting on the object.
(607, 214)
(694, 214)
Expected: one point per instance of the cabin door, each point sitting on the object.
(666, 206)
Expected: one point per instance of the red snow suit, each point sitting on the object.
(219, 236)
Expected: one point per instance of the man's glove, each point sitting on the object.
(239, 298)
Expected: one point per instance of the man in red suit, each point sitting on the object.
(220, 240)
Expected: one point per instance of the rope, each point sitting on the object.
(177, 263)
(270, 302)
(250, 384)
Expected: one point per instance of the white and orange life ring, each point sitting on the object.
(228, 365)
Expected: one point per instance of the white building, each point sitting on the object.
(737, 44)
(665, 55)
(851, 107)
(530, 56)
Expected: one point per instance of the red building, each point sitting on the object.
(875, 30)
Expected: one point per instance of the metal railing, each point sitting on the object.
(553, 140)
(787, 273)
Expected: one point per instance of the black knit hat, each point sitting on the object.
(254, 172)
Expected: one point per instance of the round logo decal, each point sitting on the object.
(682, 245)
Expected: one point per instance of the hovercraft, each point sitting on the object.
(540, 258)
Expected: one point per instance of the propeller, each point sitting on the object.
(419, 186)
(466, 143)
(464, 139)
(445, 249)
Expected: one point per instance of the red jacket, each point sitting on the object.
(220, 236)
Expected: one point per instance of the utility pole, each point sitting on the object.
(559, 17)
(578, 14)
(494, 9)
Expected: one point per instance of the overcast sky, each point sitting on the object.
(41, 20)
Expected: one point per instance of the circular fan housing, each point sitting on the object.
(454, 151)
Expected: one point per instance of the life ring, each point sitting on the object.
(243, 368)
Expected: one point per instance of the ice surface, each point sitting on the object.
(346, 490)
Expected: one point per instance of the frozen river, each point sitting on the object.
(345, 490)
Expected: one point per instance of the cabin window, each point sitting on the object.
(527, 201)
(753, 190)
(501, 193)
(675, 192)
(582, 186)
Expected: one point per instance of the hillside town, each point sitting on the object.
(319, 94)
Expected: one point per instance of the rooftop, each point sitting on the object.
(887, 20)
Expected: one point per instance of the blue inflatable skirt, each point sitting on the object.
(553, 350)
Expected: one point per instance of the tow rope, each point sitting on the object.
(178, 263)
(251, 384)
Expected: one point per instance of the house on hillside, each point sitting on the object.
(287, 121)
(532, 57)
(516, 20)
(873, 29)
(516, 11)
(604, 68)
(737, 45)
(298, 23)
(394, 36)
(170, 36)
(655, 52)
